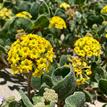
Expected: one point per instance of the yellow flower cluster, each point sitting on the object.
(30, 53)
(81, 68)
(57, 22)
(64, 5)
(104, 10)
(5, 13)
(24, 14)
(87, 46)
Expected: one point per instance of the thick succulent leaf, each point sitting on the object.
(64, 79)
(34, 9)
(63, 60)
(47, 79)
(71, 1)
(43, 8)
(37, 99)
(75, 100)
(103, 86)
(22, 5)
(36, 82)
(25, 99)
(89, 96)
(14, 104)
(80, 1)
(24, 23)
(41, 22)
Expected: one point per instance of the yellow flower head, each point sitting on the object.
(104, 10)
(87, 46)
(24, 14)
(30, 53)
(81, 69)
(64, 5)
(57, 22)
(106, 35)
(5, 13)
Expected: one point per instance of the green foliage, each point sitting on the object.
(41, 22)
(25, 99)
(103, 86)
(63, 60)
(63, 79)
(36, 99)
(75, 100)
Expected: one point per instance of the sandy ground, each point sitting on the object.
(97, 104)
(5, 91)
(9, 85)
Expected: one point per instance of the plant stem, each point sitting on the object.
(29, 85)
(60, 103)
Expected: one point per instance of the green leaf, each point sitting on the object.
(63, 60)
(71, 1)
(89, 96)
(93, 18)
(41, 22)
(103, 86)
(8, 101)
(7, 25)
(43, 86)
(14, 104)
(2, 49)
(25, 99)
(36, 82)
(34, 9)
(59, 1)
(63, 79)
(94, 84)
(47, 79)
(22, 5)
(43, 8)
(37, 99)
(26, 24)
(80, 1)
(75, 100)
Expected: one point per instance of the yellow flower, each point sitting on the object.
(81, 69)
(64, 5)
(24, 14)
(87, 46)
(30, 53)
(81, 81)
(106, 35)
(104, 10)
(5, 13)
(26, 66)
(57, 22)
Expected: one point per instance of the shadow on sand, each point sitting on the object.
(18, 82)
